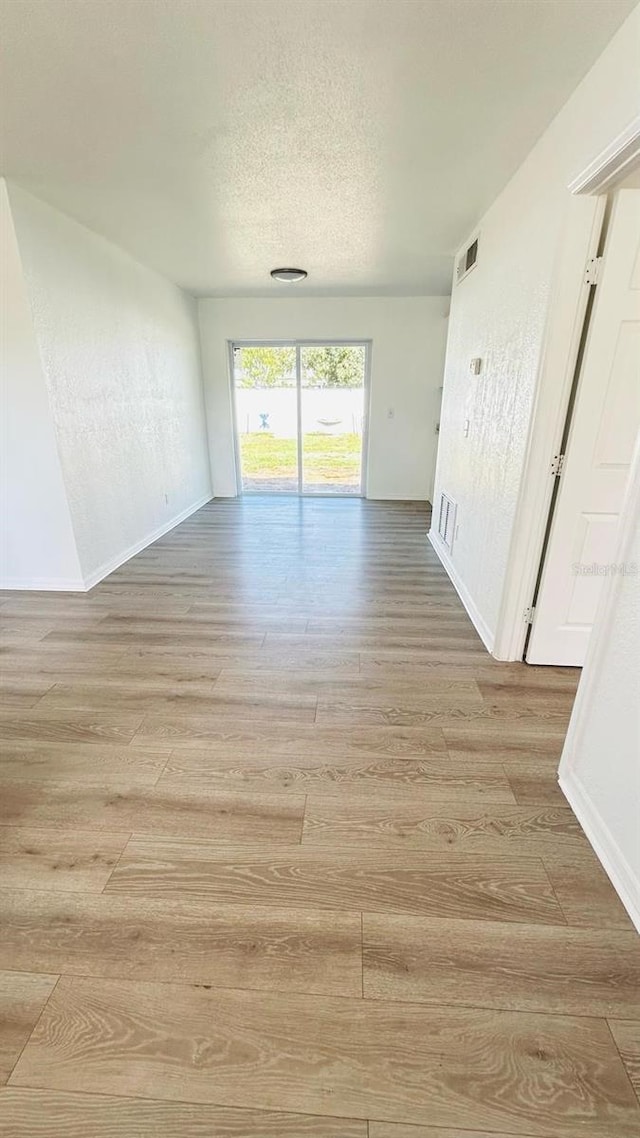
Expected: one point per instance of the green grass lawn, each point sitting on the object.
(327, 458)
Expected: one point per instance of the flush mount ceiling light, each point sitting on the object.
(288, 274)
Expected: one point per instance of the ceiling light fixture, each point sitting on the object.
(288, 274)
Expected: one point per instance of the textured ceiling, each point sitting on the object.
(215, 139)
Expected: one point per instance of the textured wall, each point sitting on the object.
(408, 335)
(37, 547)
(499, 312)
(120, 350)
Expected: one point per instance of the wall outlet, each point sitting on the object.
(391, 413)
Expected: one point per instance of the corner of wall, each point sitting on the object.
(478, 621)
(125, 397)
(39, 548)
(603, 842)
(125, 555)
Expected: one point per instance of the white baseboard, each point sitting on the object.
(484, 632)
(370, 497)
(44, 584)
(115, 562)
(605, 847)
(82, 585)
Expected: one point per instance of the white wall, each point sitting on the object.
(500, 312)
(120, 350)
(600, 766)
(408, 335)
(37, 548)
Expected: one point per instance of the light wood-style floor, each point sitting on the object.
(282, 854)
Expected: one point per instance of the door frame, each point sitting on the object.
(365, 343)
(566, 315)
(545, 639)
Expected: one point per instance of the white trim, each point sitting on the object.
(364, 458)
(237, 465)
(565, 320)
(611, 164)
(44, 584)
(120, 558)
(478, 621)
(299, 440)
(604, 845)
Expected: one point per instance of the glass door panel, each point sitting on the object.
(266, 394)
(332, 394)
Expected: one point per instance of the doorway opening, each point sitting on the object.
(301, 416)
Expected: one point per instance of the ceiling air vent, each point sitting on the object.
(467, 260)
(447, 520)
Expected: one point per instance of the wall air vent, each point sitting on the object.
(467, 261)
(447, 520)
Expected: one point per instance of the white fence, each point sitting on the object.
(328, 410)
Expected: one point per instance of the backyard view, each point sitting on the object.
(327, 403)
(332, 462)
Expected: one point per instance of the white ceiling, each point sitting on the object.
(216, 139)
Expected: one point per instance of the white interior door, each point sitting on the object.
(604, 427)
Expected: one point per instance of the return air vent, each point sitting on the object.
(467, 261)
(447, 520)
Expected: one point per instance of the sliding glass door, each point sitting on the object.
(266, 394)
(301, 417)
(332, 397)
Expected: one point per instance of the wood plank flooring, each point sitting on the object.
(283, 853)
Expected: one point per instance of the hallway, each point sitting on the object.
(282, 853)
